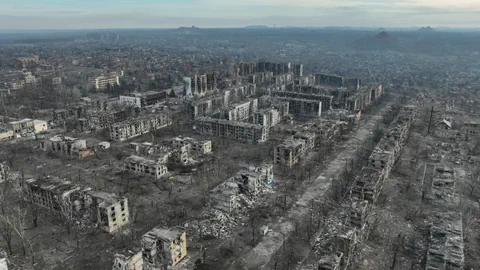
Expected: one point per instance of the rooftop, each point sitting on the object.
(166, 234)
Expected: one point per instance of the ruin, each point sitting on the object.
(163, 247)
(250, 182)
(232, 129)
(148, 167)
(67, 146)
(133, 261)
(81, 205)
(137, 127)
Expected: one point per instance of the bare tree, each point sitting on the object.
(6, 231)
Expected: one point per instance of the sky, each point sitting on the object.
(102, 14)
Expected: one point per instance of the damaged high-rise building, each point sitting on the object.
(232, 129)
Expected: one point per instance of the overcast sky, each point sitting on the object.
(87, 14)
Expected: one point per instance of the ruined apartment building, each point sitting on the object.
(326, 100)
(131, 262)
(232, 129)
(292, 149)
(145, 166)
(267, 117)
(445, 243)
(337, 81)
(369, 184)
(67, 146)
(241, 111)
(289, 152)
(82, 205)
(198, 148)
(163, 247)
(137, 127)
(305, 107)
(200, 85)
(104, 119)
(365, 96)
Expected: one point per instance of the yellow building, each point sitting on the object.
(40, 126)
(132, 262)
(162, 244)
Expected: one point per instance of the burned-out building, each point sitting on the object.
(232, 129)
(137, 127)
(241, 111)
(249, 182)
(80, 204)
(67, 146)
(369, 183)
(445, 243)
(324, 100)
(133, 261)
(267, 117)
(104, 119)
(163, 247)
(289, 152)
(155, 168)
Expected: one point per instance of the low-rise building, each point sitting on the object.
(67, 146)
(40, 126)
(145, 166)
(289, 152)
(22, 127)
(131, 262)
(163, 247)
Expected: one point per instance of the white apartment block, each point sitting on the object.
(101, 82)
(131, 101)
(137, 127)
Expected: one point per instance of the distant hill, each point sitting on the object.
(381, 41)
(427, 29)
(256, 27)
(188, 30)
(381, 29)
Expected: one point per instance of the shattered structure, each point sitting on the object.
(384, 156)
(163, 247)
(241, 111)
(292, 149)
(132, 262)
(445, 249)
(79, 204)
(292, 97)
(267, 117)
(366, 189)
(137, 127)
(67, 146)
(300, 106)
(232, 129)
(155, 168)
(226, 196)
